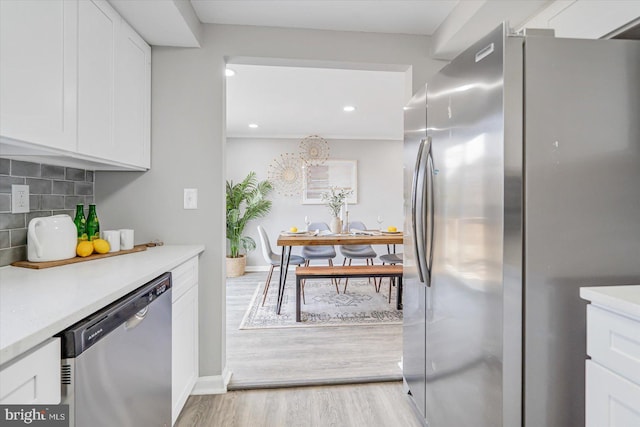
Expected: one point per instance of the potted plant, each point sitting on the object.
(334, 200)
(245, 201)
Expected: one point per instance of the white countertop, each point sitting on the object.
(37, 304)
(622, 299)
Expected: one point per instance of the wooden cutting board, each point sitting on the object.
(48, 264)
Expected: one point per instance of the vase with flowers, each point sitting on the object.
(335, 199)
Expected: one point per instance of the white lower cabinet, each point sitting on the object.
(33, 378)
(184, 366)
(613, 373)
(611, 400)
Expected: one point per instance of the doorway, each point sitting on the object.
(313, 355)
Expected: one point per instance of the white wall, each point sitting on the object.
(188, 144)
(379, 185)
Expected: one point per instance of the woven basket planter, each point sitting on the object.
(236, 266)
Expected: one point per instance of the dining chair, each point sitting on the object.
(351, 252)
(273, 259)
(392, 259)
(318, 252)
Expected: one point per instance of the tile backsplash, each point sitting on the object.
(53, 190)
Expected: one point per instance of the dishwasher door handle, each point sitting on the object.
(136, 319)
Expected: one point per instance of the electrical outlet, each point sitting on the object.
(191, 198)
(19, 198)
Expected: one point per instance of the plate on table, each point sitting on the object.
(356, 232)
(294, 233)
(391, 232)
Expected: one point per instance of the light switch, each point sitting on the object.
(191, 198)
(19, 198)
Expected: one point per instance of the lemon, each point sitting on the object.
(101, 246)
(392, 229)
(84, 248)
(293, 229)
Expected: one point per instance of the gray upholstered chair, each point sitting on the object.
(392, 259)
(273, 259)
(318, 252)
(351, 252)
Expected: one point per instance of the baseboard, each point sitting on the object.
(214, 384)
(255, 385)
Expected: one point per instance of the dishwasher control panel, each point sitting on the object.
(92, 329)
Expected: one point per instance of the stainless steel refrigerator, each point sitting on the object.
(522, 184)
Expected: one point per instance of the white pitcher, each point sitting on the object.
(51, 238)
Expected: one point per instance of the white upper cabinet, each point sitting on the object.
(133, 98)
(38, 73)
(114, 87)
(97, 31)
(75, 77)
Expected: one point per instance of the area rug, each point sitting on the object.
(360, 305)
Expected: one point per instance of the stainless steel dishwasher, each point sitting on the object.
(116, 363)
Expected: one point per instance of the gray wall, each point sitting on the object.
(53, 190)
(188, 144)
(379, 185)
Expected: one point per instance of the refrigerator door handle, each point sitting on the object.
(415, 214)
(431, 209)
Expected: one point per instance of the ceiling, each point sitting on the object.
(294, 102)
(400, 17)
(299, 101)
(310, 101)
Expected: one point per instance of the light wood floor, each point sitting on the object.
(296, 356)
(362, 405)
(358, 357)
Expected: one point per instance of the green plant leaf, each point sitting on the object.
(246, 201)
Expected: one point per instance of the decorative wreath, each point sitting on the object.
(314, 150)
(285, 173)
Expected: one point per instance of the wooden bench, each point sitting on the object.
(348, 271)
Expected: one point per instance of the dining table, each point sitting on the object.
(288, 239)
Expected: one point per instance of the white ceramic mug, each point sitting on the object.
(113, 237)
(126, 239)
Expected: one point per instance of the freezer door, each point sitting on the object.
(582, 219)
(464, 304)
(413, 359)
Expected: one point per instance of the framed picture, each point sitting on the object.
(318, 179)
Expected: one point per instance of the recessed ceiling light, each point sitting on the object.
(229, 72)
(349, 108)
(253, 125)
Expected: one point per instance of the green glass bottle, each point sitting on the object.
(81, 223)
(93, 225)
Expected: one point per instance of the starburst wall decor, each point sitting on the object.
(285, 173)
(314, 150)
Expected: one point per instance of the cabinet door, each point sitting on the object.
(132, 98)
(611, 400)
(33, 378)
(184, 365)
(38, 73)
(614, 342)
(97, 28)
